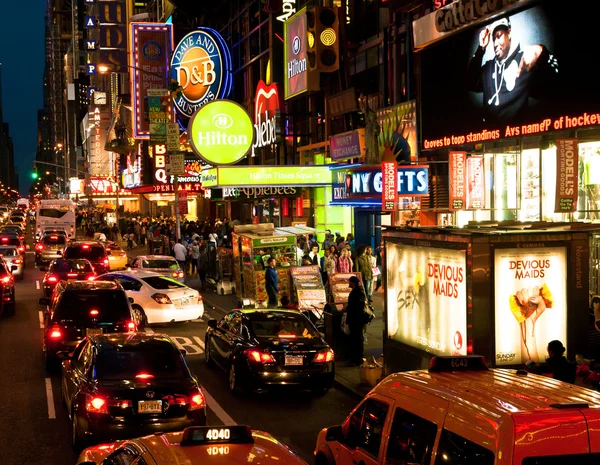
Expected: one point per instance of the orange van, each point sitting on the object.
(459, 412)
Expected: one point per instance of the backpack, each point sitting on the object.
(367, 314)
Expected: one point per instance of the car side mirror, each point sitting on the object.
(63, 355)
(334, 433)
(183, 352)
(212, 323)
(130, 300)
(44, 301)
(14, 267)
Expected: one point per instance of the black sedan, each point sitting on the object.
(127, 385)
(265, 348)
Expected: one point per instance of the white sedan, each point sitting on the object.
(158, 298)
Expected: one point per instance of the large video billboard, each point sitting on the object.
(427, 298)
(523, 73)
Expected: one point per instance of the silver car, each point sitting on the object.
(164, 265)
(14, 260)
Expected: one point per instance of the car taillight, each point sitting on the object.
(72, 275)
(131, 326)
(105, 261)
(39, 247)
(91, 278)
(161, 298)
(144, 376)
(6, 279)
(94, 312)
(21, 249)
(259, 356)
(324, 357)
(96, 404)
(52, 279)
(175, 274)
(85, 246)
(180, 274)
(197, 401)
(18, 261)
(55, 333)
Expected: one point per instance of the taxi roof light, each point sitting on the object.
(200, 435)
(442, 364)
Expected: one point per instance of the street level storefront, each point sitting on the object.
(502, 291)
(281, 195)
(102, 191)
(520, 120)
(386, 194)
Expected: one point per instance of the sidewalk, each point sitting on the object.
(346, 377)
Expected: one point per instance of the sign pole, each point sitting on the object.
(177, 215)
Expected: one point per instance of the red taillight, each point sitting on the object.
(55, 333)
(260, 357)
(161, 298)
(144, 376)
(5, 239)
(197, 401)
(91, 278)
(94, 312)
(286, 336)
(324, 357)
(95, 404)
(131, 326)
(18, 261)
(21, 249)
(180, 274)
(72, 275)
(105, 261)
(7, 279)
(85, 246)
(52, 279)
(39, 247)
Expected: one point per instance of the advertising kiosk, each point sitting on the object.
(503, 291)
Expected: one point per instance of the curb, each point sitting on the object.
(345, 386)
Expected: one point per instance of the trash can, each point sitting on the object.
(371, 371)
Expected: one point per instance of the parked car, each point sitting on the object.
(157, 298)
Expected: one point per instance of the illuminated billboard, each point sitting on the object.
(530, 302)
(427, 298)
(296, 71)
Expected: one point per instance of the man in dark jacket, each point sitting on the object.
(515, 75)
(557, 364)
(354, 320)
(272, 283)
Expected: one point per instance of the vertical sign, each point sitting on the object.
(567, 163)
(458, 177)
(389, 190)
(476, 186)
(158, 114)
(99, 159)
(295, 72)
(151, 46)
(112, 21)
(183, 202)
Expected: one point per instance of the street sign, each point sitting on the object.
(158, 114)
(172, 137)
(174, 164)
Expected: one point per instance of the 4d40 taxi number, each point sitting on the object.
(214, 434)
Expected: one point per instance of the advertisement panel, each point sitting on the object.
(221, 132)
(398, 132)
(131, 176)
(389, 191)
(530, 302)
(567, 175)
(266, 115)
(158, 114)
(476, 185)
(192, 169)
(347, 145)
(266, 176)
(427, 298)
(201, 64)
(112, 26)
(516, 75)
(99, 158)
(151, 45)
(457, 165)
(295, 68)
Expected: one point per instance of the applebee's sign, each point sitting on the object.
(266, 115)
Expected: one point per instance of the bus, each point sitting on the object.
(55, 213)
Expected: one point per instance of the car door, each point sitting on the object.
(233, 335)
(126, 455)
(73, 371)
(218, 340)
(363, 433)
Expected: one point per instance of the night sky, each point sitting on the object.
(22, 58)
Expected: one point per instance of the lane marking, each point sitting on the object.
(217, 409)
(41, 315)
(199, 341)
(186, 344)
(37, 284)
(50, 398)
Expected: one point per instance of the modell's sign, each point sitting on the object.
(201, 64)
(266, 115)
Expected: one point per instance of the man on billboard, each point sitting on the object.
(514, 76)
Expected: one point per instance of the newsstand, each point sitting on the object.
(501, 290)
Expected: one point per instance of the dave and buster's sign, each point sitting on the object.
(266, 115)
(201, 64)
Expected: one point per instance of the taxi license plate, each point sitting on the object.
(293, 359)
(93, 331)
(150, 406)
(185, 301)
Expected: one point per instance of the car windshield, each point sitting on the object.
(91, 253)
(55, 240)
(162, 283)
(75, 306)
(8, 252)
(160, 263)
(73, 265)
(128, 362)
(579, 459)
(276, 325)
(9, 229)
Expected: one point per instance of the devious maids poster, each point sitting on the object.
(427, 301)
(530, 302)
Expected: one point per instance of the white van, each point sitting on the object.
(55, 213)
(23, 204)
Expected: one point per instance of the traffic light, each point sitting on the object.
(323, 44)
(34, 173)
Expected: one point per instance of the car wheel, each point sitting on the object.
(139, 317)
(77, 438)
(235, 383)
(320, 459)
(207, 355)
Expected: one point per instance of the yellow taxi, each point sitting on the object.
(117, 257)
(196, 445)
(460, 412)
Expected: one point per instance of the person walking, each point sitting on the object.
(272, 283)
(355, 322)
(180, 254)
(202, 264)
(365, 268)
(194, 253)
